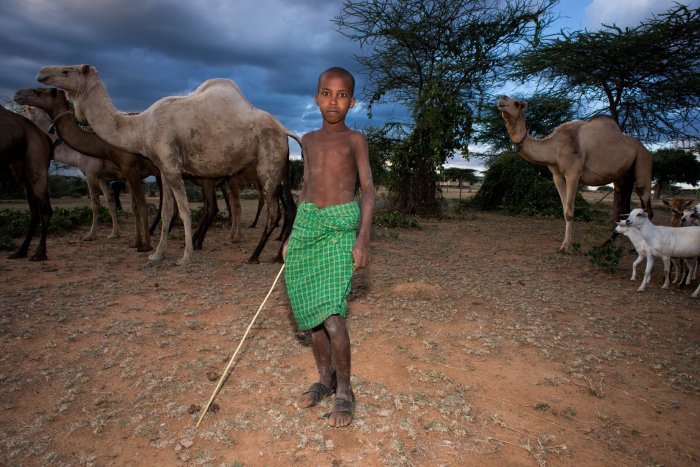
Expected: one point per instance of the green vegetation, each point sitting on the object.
(521, 188)
(606, 257)
(14, 223)
(395, 219)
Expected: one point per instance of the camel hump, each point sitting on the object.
(217, 83)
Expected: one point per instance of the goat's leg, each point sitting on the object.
(647, 273)
(639, 259)
(667, 271)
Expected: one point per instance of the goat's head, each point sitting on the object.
(637, 217)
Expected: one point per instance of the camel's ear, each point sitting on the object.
(85, 69)
(688, 203)
(523, 104)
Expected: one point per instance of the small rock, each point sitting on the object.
(186, 442)
(193, 409)
(212, 376)
(214, 407)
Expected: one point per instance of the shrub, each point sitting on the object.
(62, 186)
(394, 219)
(606, 257)
(519, 187)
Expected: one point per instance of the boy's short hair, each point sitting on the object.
(337, 70)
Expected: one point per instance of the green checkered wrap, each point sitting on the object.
(318, 263)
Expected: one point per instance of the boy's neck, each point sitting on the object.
(333, 127)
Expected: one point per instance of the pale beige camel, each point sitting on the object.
(134, 166)
(97, 173)
(213, 133)
(593, 152)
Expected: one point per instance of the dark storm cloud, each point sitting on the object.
(148, 49)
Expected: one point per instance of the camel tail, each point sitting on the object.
(295, 138)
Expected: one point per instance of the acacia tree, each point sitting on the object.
(674, 166)
(438, 59)
(646, 77)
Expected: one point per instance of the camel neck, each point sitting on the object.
(82, 141)
(112, 126)
(538, 151)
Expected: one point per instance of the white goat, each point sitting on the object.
(691, 216)
(665, 242)
(639, 244)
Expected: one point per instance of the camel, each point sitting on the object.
(28, 152)
(97, 173)
(593, 152)
(134, 167)
(212, 133)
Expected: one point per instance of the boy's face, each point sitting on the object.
(334, 98)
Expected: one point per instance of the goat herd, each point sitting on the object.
(680, 246)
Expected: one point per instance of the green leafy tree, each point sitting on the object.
(379, 145)
(674, 166)
(646, 77)
(544, 114)
(438, 59)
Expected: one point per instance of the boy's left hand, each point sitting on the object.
(360, 254)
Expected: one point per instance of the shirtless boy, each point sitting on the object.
(325, 245)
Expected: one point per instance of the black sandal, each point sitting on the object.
(343, 406)
(320, 391)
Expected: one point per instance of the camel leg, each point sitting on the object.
(226, 195)
(183, 206)
(261, 203)
(157, 219)
(567, 195)
(111, 205)
(167, 200)
(211, 208)
(139, 207)
(235, 201)
(93, 189)
(642, 174)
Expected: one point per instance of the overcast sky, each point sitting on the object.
(274, 49)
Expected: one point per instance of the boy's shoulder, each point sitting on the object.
(320, 134)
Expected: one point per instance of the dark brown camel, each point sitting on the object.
(134, 166)
(27, 150)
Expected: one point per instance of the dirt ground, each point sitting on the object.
(474, 343)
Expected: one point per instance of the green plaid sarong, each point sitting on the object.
(318, 263)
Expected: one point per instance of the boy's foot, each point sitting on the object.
(342, 412)
(316, 393)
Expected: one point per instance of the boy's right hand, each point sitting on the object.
(284, 249)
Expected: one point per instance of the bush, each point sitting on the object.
(15, 223)
(519, 187)
(61, 186)
(606, 257)
(395, 219)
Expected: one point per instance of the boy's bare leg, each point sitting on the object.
(322, 354)
(340, 349)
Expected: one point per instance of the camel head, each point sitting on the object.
(513, 112)
(52, 100)
(74, 79)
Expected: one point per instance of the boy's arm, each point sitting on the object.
(360, 252)
(302, 193)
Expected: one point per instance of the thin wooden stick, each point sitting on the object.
(223, 376)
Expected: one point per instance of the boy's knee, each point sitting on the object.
(333, 324)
